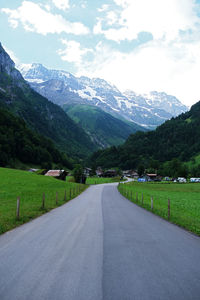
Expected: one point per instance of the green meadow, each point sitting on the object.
(184, 201)
(31, 188)
(96, 180)
(101, 180)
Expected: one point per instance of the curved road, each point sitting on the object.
(99, 246)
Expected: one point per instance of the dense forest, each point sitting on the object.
(175, 141)
(18, 143)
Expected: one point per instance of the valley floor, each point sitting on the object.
(99, 246)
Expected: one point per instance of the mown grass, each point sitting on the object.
(184, 201)
(30, 188)
(101, 180)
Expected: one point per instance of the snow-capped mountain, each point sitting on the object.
(61, 87)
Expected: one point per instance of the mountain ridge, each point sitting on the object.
(61, 87)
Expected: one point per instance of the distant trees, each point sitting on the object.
(195, 171)
(78, 173)
(140, 170)
(174, 168)
(19, 143)
(93, 170)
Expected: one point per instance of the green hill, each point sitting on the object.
(18, 143)
(176, 140)
(104, 129)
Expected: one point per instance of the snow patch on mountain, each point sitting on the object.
(61, 87)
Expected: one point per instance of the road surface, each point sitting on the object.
(99, 246)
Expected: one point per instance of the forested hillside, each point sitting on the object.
(178, 138)
(19, 144)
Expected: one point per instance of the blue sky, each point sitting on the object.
(141, 45)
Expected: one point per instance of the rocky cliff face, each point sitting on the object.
(7, 66)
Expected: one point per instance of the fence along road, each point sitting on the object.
(99, 246)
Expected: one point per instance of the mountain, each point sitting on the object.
(40, 114)
(104, 129)
(61, 87)
(176, 139)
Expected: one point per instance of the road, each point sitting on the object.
(99, 246)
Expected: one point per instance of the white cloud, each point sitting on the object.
(170, 67)
(61, 4)
(73, 52)
(160, 17)
(35, 19)
(122, 3)
(170, 62)
(104, 7)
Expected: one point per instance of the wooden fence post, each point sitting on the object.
(56, 198)
(151, 203)
(65, 196)
(18, 208)
(142, 199)
(137, 197)
(43, 200)
(168, 209)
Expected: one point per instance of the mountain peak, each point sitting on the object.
(36, 72)
(7, 66)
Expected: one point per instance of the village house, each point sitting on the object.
(153, 177)
(149, 178)
(87, 171)
(58, 174)
(99, 172)
(130, 173)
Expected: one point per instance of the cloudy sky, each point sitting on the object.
(142, 45)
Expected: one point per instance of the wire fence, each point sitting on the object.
(186, 215)
(17, 210)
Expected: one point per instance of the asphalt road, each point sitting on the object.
(99, 246)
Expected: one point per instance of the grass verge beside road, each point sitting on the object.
(30, 188)
(184, 201)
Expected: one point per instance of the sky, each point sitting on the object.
(139, 45)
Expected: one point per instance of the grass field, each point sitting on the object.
(30, 188)
(184, 201)
(100, 180)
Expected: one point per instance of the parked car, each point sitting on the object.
(181, 180)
